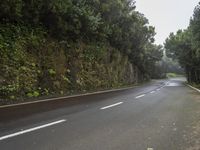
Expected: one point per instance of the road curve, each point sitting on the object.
(163, 115)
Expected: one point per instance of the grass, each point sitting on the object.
(173, 75)
(195, 85)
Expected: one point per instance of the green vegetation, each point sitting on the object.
(184, 46)
(69, 46)
(196, 85)
(174, 75)
(171, 75)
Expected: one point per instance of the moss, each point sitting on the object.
(33, 65)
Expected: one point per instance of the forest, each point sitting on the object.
(63, 47)
(184, 46)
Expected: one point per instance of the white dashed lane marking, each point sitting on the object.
(113, 105)
(31, 130)
(140, 96)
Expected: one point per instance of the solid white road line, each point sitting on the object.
(140, 96)
(167, 83)
(113, 105)
(193, 88)
(66, 97)
(149, 148)
(158, 90)
(30, 130)
(152, 92)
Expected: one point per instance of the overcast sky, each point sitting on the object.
(167, 15)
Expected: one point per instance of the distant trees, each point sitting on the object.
(185, 47)
(79, 36)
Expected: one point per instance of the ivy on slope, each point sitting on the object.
(69, 46)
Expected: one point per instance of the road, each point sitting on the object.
(163, 115)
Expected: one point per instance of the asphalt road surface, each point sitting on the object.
(163, 115)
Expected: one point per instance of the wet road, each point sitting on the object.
(163, 115)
